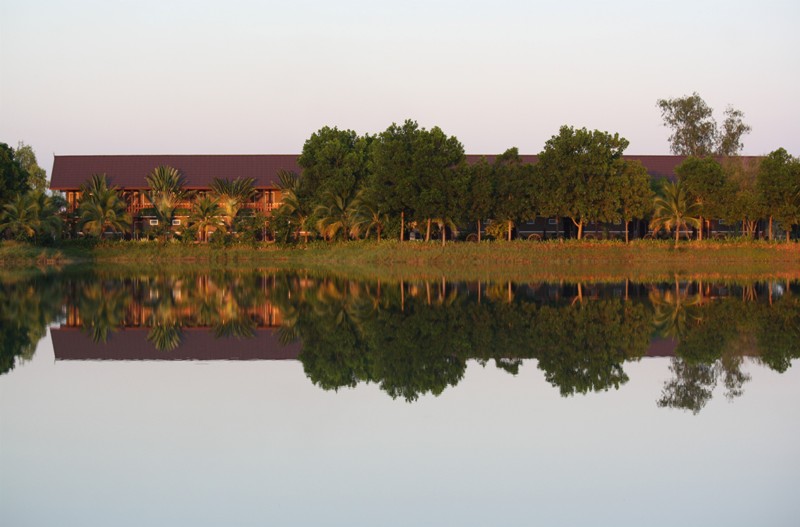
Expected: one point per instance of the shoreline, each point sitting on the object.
(517, 260)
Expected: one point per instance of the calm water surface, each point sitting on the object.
(288, 399)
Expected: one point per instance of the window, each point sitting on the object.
(174, 222)
(153, 222)
(551, 221)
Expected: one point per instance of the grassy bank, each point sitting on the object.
(519, 260)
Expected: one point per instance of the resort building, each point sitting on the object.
(128, 172)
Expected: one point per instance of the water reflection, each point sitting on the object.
(414, 337)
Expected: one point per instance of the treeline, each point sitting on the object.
(354, 185)
(408, 177)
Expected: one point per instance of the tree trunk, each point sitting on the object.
(479, 231)
(788, 234)
(700, 232)
(402, 226)
(509, 231)
(770, 228)
(443, 235)
(677, 234)
(379, 234)
(627, 223)
(580, 230)
(428, 231)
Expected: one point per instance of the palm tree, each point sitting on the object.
(368, 215)
(232, 196)
(50, 223)
(101, 208)
(30, 215)
(673, 210)
(166, 192)
(675, 311)
(205, 214)
(443, 223)
(336, 213)
(294, 209)
(102, 309)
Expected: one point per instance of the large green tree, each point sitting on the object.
(741, 201)
(332, 161)
(394, 166)
(583, 168)
(705, 183)
(13, 178)
(513, 184)
(441, 180)
(37, 176)
(480, 192)
(635, 194)
(695, 131)
(778, 182)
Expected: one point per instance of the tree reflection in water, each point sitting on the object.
(415, 337)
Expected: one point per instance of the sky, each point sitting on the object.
(191, 77)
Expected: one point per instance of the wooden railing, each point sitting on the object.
(136, 208)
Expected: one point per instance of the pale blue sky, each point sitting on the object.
(129, 77)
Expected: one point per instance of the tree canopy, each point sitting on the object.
(583, 168)
(778, 182)
(13, 178)
(37, 176)
(695, 131)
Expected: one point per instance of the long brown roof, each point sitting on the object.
(196, 344)
(70, 343)
(70, 172)
(129, 171)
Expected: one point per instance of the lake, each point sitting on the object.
(259, 397)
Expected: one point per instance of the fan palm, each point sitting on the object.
(166, 192)
(231, 196)
(674, 211)
(165, 337)
(101, 208)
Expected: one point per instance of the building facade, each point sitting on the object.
(128, 172)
